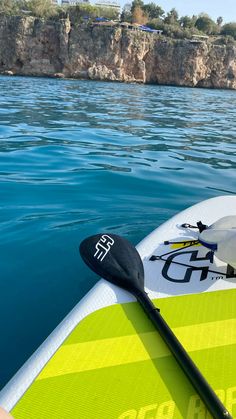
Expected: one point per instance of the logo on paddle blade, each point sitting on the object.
(103, 246)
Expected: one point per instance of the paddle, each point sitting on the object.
(117, 260)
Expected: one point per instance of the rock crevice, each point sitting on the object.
(32, 46)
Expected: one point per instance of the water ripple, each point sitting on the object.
(78, 157)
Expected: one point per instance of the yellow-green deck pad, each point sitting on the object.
(114, 365)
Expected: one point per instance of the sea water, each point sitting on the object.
(82, 157)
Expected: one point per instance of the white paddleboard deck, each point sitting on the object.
(181, 270)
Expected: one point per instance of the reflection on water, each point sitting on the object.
(78, 157)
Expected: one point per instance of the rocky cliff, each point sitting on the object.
(31, 46)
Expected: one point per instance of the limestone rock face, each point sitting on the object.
(63, 48)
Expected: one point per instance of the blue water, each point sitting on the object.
(80, 157)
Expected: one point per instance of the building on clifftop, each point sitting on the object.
(109, 4)
(73, 2)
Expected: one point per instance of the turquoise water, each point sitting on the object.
(81, 157)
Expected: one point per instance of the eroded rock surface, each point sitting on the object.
(63, 48)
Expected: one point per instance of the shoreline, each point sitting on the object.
(45, 76)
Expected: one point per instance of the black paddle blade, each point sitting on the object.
(115, 259)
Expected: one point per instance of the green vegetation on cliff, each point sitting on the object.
(150, 14)
(47, 9)
(174, 25)
(39, 8)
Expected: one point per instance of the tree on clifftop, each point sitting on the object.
(219, 20)
(141, 12)
(187, 21)
(205, 24)
(172, 17)
(9, 7)
(153, 11)
(139, 16)
(126, 15)
(40, 8)
(136, 3)
(229, 29)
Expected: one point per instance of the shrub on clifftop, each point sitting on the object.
(229, 29)
(9, 7)
(40, 8)
(205, 24)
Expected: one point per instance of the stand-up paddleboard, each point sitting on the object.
(107, 361)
